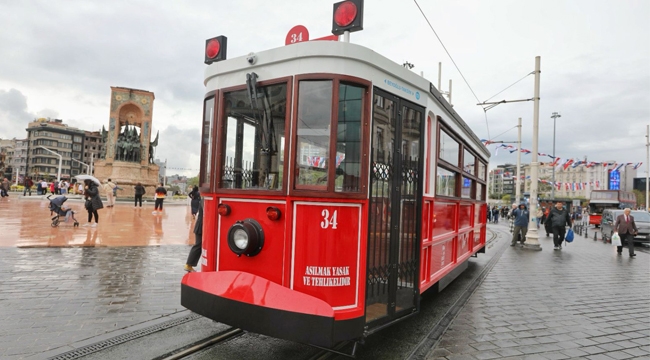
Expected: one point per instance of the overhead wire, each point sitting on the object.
(454, 62)
(511, 85)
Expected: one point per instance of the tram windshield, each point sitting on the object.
(254, 139)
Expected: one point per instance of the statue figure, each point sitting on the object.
(152, 145)
(119, 147)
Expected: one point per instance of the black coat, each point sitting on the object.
(198, 225)
(92, 194)
(139, 190)
(558, 218)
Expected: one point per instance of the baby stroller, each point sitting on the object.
(56, 207)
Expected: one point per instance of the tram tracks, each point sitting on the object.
(202, 344)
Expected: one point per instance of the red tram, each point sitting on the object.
(338, 186)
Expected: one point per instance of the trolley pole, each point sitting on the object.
(532, 242)
(518, 172)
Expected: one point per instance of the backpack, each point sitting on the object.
(569, 236)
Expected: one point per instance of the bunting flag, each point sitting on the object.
(555, 162)
(636, 166)
(619, 167)
(567, 163)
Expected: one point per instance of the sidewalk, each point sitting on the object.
(583, 301)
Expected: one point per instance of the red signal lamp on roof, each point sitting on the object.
(348, 16)
(215, 49)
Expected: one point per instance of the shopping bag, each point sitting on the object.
(569, 236)
(616, 240)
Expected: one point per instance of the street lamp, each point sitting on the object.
(58, 175)
(84, 164)
(554, 116)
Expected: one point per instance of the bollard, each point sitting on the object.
(595, 232)
(586, 230)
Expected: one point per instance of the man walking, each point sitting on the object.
(626, 229)
(521, 217)
(28, 183)
(559, 217)
(108, 188)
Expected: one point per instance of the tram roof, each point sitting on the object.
(337, 57)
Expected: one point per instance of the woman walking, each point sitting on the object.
(139, 191)
(93, 201)
(196, 200)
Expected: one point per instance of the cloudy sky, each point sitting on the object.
(59, 59)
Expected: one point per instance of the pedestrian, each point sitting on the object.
(64, 187)
(52, 187)
(4, 187)
(511, 219)
(39, 188)
(93, 201)
(626, 229)
(28, 183)
(109, 187)
(80, 188)
(538, 215)
(521, 217)
(161, 192)
(559, 217)
(495, 215)
(196, 199)
(195, 252)
(489, 214)
(56, 187)
(139, 191)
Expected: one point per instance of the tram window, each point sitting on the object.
(445, 182)
(313, 137)
(206, 143)
(479, 191)
(481, 170)
(252, 139)
(466, 190)
(469, 162)
(348, 138)
(449, 149)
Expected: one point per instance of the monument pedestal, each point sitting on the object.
(126, 175)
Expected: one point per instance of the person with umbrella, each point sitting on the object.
(93, 201)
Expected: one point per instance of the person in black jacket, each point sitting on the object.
(139, 191)
(93, 201)
(195, 251)
(559, 217)
(196, 199)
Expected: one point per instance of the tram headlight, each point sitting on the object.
(246, 237)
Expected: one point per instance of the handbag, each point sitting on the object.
(569, 236)
(88, 205)
(616, 240)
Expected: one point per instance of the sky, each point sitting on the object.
(60, 58)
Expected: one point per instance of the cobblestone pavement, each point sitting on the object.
(583, 301)
(51, 298)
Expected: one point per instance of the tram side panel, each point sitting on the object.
(452, 231)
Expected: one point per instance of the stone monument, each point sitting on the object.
(127, 157)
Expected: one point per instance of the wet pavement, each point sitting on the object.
(64, 288)
(581, 302)
(26, 222)
(63, 285)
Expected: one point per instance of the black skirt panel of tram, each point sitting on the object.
(304, 328)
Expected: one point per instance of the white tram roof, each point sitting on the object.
(311, 57)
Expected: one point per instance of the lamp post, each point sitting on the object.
(84, 164)
(532, 242)
(58, 175)
(554, 116)
(647, 166)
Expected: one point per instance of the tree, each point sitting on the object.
(640, 197)
(193, 181)
(506, 198)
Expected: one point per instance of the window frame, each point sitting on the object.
(209, 186)
(366, 108)
(458, 169)
(220, 146)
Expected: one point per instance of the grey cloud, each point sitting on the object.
(181, 148)
(13, 114)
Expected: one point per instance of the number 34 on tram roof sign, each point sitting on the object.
(300, 33)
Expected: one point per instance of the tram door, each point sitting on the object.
(395, 207)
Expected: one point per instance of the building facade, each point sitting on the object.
(502, 180)
(19, 160)
(59, 138)
(92, 147)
